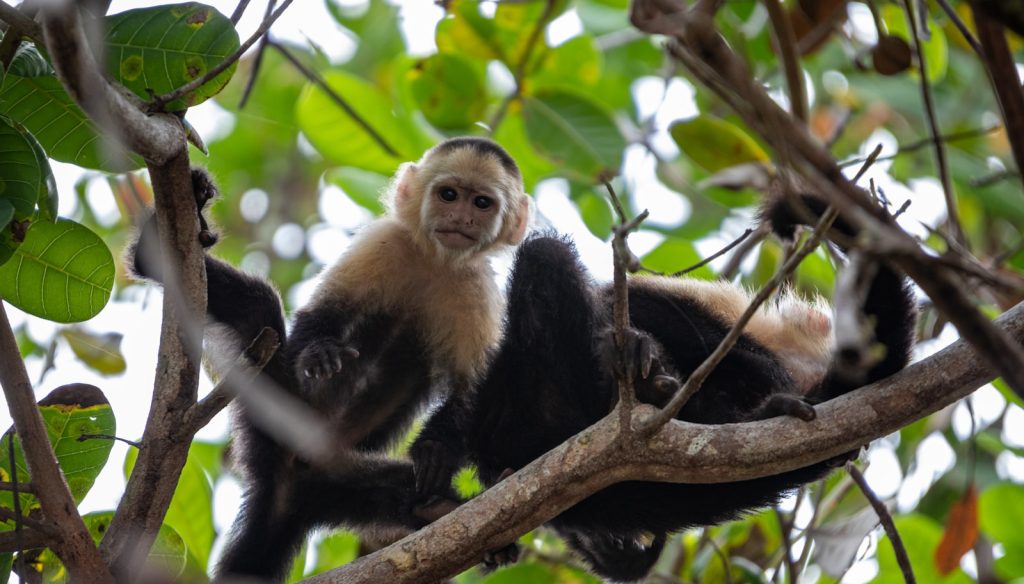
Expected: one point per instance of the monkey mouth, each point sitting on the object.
(454, 238)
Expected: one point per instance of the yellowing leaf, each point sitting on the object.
(715, 144)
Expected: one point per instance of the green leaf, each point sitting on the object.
(166, 560)
(575, 133)
(464, 31)
(29, 62)
(936, 49)
(191, 509)
(62, 272)
(376, 27)
(340, 138)
(68, 412)
(574, 63)
(101, 352)
(47, 111)
(335, 550)
(6, 213)
(25, 176)
(715, 144)
(467, 483)
(595, 211)
(361, 186)
(920, 535)
(511, 134)
(449, 90)
(1001, 513)
(158, 49)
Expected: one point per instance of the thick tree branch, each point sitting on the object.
(76, 548)
(14, 17)
(679, 452)
(164, 450)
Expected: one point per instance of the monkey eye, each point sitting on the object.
(483, 202)
(447, 194)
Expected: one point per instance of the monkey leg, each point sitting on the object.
(617, 556)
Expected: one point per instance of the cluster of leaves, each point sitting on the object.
(566, 110)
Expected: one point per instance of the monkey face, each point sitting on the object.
(462, 218)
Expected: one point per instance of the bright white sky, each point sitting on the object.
(308, 19)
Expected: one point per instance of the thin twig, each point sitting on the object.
(84, 437)
(733, 267)
(622, 259)
(18, 486)
(239, 11)
(7, 514)
(952, 210)
(926, 142)
(785, 40)
(16, 500)
(701, 373)
(157, 103)
(30, 540)
(257, 60)
(716, 255)
(335, 96)
(961, 26)
(785, 529)
(248, 365)
(520, 71)
(886, 518)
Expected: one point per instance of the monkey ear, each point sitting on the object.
(515, 232)
(403, 188)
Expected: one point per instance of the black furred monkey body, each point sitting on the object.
(551, 379)
(409, 312)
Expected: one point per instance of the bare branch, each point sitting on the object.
(163, 451)
(76, 548)
(961, 26)
(246, 367)
(21, 487)
(157, 103)
(716, 255)
(1002, 72)
(952, 210)
(886, 518)
(926, 142)
(257, 61)
(30, 540)
(785, 41)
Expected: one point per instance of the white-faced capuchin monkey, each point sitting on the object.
(410, 312)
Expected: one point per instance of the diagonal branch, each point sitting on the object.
(678, 452)
(1002, 72)
(76, 548)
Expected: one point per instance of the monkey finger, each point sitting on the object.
(666, 384)
(646, 351)
(337, 363)
(350, 352)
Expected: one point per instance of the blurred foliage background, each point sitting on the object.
(578, 96)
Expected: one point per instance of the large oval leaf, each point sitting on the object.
(715, 144)
(156, 50)
(62, 272)
(574, 132)
(68, 412)
(340, 138)
(28, 62)
(449, 90)
(25, 176)
(101, 352)
(41, 105)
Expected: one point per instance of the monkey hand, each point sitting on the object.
(434, 464)
(784, 404)
(642, 359)
(324, 359)
(494, 559)
(204, 190)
